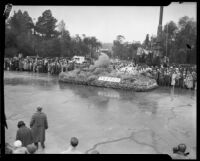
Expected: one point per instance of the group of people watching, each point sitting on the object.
(40, 65)
(174, 75)
(28, 139)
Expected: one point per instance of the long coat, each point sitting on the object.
(24, 134)
(38, 126)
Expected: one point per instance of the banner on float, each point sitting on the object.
(109, 79)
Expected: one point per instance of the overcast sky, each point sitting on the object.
(106, 22)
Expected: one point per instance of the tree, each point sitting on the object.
(20, 22)
(125, 50)
(95, 45)
(90, 45)
(168, 39)
(18, 33)
(186, 35)
(46, 25)
(146, 42)
(65, 39)
(62, 31)
(175, 39)
(118, 47)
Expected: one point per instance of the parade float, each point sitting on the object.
(102, 74)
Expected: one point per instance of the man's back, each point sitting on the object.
(40, 119)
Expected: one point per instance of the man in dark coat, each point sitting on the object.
(24, 134)
(38, 126)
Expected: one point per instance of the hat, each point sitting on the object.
(17, 144)
(31, 148)
(39, 108)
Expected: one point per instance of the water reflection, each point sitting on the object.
(172, 94)
(146, 105)
(81, 90)
(39, 83)
(48, 82)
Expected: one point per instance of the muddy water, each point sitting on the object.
(108, 120)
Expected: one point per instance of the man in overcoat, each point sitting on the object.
(38, 126)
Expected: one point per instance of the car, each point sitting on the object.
(78, 59)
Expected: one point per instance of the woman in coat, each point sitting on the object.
(24, 134)
(189, 80)
(173, 79)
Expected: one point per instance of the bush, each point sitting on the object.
(10, 52)
(98, 71)
(91, 78)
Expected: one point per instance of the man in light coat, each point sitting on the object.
(38, 126)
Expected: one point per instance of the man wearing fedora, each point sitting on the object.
(38, 126)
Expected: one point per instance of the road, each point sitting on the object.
(110, 121)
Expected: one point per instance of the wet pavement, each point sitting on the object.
(108, 120)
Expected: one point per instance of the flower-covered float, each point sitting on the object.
(102, 74)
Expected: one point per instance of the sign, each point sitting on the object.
(109, 79)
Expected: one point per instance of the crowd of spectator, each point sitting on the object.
(177, 75)
(184, 76)
(40, 65)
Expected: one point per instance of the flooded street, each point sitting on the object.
(108, 120)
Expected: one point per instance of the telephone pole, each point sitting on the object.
(158, 48)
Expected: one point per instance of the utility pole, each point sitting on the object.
(159, 31)
(159, 35)
(166, 40)
(158, 51)
(34, 23)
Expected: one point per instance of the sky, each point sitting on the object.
(106, 22)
